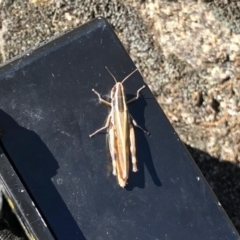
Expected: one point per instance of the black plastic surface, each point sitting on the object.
(48, 111)
(21, 202)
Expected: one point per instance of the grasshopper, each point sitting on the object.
(121, 137)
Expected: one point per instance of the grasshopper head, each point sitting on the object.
(117, 91)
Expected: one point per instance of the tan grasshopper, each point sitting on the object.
(121, 135)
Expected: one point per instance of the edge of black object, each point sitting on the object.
(47, 110)
(21, 203)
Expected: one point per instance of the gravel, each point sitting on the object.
(188, 53)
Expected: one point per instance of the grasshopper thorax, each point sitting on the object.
(118, 97)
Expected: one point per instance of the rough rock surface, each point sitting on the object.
(188, 53)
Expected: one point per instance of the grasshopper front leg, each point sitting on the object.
(137, 95)
(100, 98)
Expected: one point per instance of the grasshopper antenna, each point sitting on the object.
(111, 75)
(128, 76)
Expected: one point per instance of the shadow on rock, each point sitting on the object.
(224, 179)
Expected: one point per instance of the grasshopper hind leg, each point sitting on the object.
(113, 149)
(133, 148)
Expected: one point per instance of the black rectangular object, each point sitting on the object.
(48, 111)
(20, 202)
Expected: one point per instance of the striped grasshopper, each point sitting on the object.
(121, 137)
